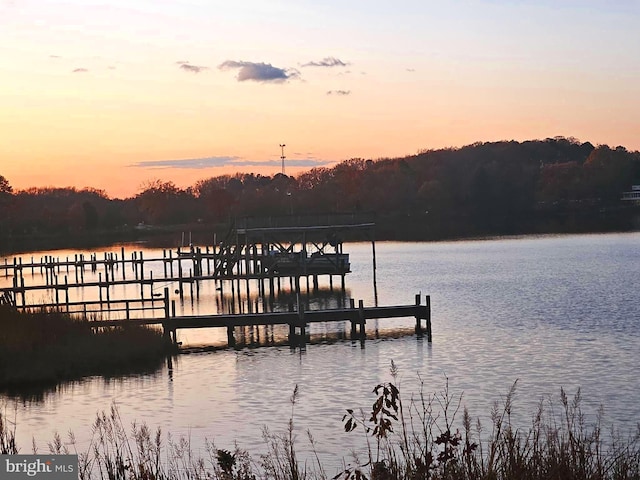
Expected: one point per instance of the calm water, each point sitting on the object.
(547, 311)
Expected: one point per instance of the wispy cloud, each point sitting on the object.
(224, 161)
(188, 163)
(327, 62)
(186, 66)
(339, 92)
(293, 162)
(259, 72)
(80, 70)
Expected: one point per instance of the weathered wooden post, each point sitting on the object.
(22, 283)
(429, 338)
(233, 296)
(272, 287)
(166, 302)
(256, 269)
(55, 286)
(239, 289)
(141, 266)
(134, 263)
(231, 339)
(46, 270)
(361, 318)
(173, 329)
(292, 326)
(197, 261)
(66, 292)
(164, 261)
(301, 321)
(106, 279)
(124, 264)
(352, 317)
(418, 316)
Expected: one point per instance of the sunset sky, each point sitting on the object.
(111, 94)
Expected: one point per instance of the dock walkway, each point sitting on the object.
(296, 319)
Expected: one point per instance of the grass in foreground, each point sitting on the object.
(421, 438)
(46, 347)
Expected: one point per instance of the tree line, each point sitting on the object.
(483, 188)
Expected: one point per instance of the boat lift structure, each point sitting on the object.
(262, 249)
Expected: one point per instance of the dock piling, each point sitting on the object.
(418, 316)
(361, 318)
(429, 337)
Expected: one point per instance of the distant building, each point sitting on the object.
(633, 195)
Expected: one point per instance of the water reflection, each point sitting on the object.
(40, 392)
(251, 337)
(284, 300)
(551, 312)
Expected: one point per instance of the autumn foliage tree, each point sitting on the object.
(482, 188)
(164, 203)
(5, 201)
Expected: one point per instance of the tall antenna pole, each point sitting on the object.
(282, 145)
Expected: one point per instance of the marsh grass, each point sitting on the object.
(419, 440)
(8, 444)
(46, 347)
(429, 436)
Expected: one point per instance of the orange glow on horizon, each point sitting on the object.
(83, 102)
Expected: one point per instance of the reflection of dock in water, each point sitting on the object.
(278, 336)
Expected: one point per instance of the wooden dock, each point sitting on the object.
(297, 319)
(261, 251)
(265, 251)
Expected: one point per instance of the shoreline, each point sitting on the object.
(404, 228)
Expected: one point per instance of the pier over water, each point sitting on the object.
(262, 254)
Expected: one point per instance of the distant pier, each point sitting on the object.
(268, 250)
